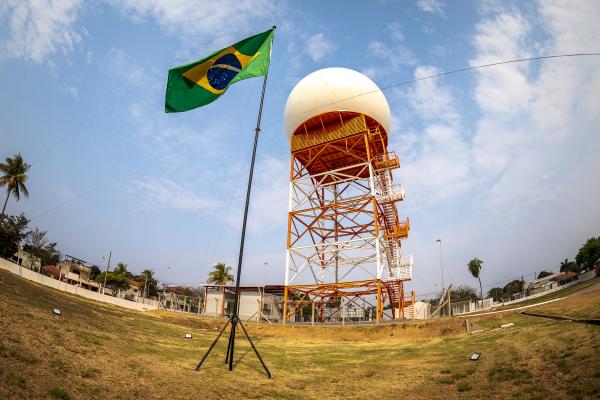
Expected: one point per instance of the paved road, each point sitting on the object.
(589, 289)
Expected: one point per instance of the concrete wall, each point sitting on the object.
(421, 309)
(248, 303)
(73, 289)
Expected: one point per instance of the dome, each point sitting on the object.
(335, 89)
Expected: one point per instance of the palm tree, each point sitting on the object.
(14, 176)
(148, 275)
(221, 276)
(474, 267)
(121, 269)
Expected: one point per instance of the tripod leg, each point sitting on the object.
(234, 321)
(228, 347)
(256, 351)
(212, 345)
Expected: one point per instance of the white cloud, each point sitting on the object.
(216, 23)
(431, 100)
(120, 65)
(391, 56)
(165, 193)
(72, 91)
(37, 29)
(436, 161)
(517, 173)
(318, 46)
(431, 6)
(270, 194)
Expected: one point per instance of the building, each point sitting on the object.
(135, 289)
(74, 271)
(26, 259)
(541, 285)
(566, 277)
(258, 303)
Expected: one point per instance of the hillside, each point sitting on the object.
(102, 352)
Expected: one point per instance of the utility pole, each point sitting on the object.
(145, 285)
(441, 264)
(106, 272)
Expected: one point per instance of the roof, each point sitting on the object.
(565, 276)
(182, 290)
(52, 270)
(137, 284)
(271, 289)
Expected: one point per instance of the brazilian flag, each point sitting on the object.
(202, 82)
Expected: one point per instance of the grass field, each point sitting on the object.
(96, 351)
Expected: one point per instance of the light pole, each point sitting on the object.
(106, 273)
(145, 285)
(441, 264)
(266, 264)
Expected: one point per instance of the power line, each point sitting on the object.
(455, 71)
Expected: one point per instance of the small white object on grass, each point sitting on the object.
(475, 356)
(507, 325)
(55, 311)
(188, 335)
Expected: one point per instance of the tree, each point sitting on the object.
(117, 279)
(36, 241)
(544, 274)
(496, 293)
(221, 276)
(512, 287)
(13, 229)
(49, 254)
(463, 293)
(14, 176)
(150, 284)
(121, 269)
(568, 266)
(113, 280)
(94, 272)
(589, 253)
(474, 267)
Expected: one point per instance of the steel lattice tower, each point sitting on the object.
(344, 232)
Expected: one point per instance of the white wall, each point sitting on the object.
(248, 305)
(73, 289)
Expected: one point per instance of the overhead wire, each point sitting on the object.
(444, 73)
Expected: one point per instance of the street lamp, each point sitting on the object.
(441, 264)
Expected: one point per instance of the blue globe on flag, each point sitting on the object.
(223, 70)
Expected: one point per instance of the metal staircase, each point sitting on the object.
(394, 230)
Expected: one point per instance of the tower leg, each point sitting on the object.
(379, 305)
(285, 298)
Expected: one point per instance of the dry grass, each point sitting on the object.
(96, 351)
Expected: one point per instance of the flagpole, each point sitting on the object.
(235, 317)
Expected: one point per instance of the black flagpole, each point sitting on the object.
(234, 318)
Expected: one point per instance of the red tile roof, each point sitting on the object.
(136, 283)
(51, 270)
(565, 276)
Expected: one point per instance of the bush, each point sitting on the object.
(59, 393)
(463, 387)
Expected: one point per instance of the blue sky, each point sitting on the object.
(499, 163)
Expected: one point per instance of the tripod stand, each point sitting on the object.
(234, 318)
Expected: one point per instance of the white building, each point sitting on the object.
(257, 303)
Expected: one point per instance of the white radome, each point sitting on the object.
(335, 89)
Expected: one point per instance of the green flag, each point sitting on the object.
(202, 82)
